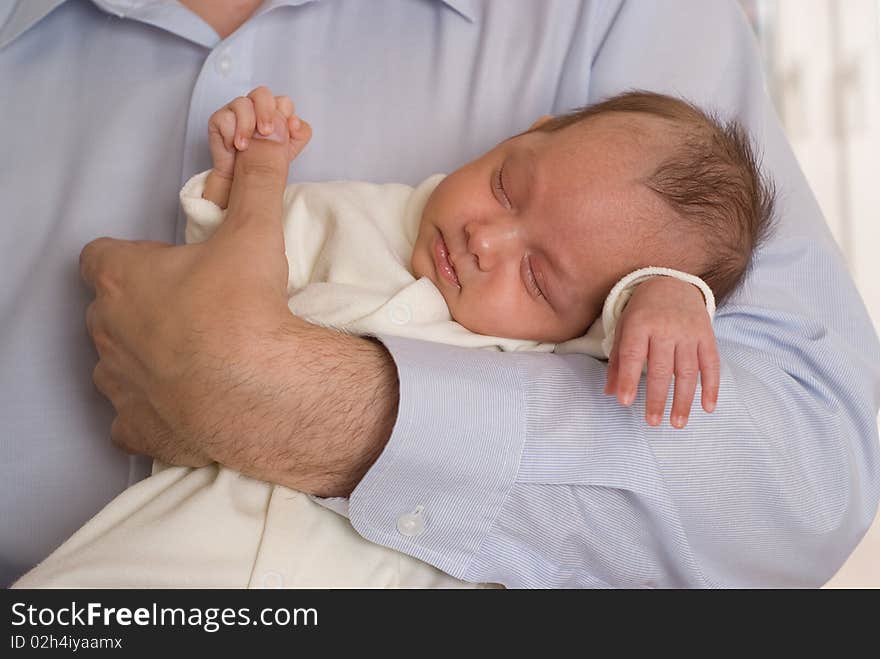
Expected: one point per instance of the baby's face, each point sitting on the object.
(526, 241)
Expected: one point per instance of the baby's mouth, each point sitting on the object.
(440, 252)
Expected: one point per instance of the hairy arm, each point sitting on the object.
(323, 403)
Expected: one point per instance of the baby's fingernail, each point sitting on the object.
(653, 419)
(710, 406)
(244, 143)
(627, 398)
(265, 128)
(296, 123)
(679, 421)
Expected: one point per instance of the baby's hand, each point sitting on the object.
(231, 128)
(665, 322)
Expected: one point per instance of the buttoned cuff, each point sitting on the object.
(452, 457)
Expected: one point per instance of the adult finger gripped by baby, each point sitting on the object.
(292, 131)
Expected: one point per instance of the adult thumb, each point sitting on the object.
(259, 179)
(250, 242)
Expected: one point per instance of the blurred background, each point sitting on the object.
(822, 62)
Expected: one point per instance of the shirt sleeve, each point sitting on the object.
(515, 468)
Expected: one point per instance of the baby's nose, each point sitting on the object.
(492, 243)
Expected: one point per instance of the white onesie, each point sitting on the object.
(348, 246)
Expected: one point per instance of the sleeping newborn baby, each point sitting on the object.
(610, 231)
(523, 243)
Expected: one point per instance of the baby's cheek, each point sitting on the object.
(485, 313)
(464, 312)
(416, 263)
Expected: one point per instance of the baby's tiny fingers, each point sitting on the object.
(300, 134)
(710, 374)
(285, 106)
(222, 123)
(661, 361)
(264, 106)
(245, 121)
(686, 369)
(631, 360)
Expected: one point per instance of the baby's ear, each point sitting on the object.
(540, 122)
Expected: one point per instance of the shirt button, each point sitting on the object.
(411, 524)
(223, 64)
(272, 580)
(400, 313)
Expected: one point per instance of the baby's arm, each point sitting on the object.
(666, 323)
(231, 128)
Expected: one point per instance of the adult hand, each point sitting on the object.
(203, 361)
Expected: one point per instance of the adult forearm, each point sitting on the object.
(321, 406)
(203, 361)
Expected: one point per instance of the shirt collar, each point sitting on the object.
(24, 14)
(21, 15)
(467, 8)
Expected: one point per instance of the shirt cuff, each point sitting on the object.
(452, 458)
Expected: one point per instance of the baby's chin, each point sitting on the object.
(511, 330)
(490, 327)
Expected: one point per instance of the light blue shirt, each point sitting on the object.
(523, 472)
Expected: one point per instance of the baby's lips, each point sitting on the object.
(279, 132)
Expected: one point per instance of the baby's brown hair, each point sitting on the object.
(712, 180)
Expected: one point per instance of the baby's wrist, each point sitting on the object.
(670, 282)
(662, 278)
(673, 286)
